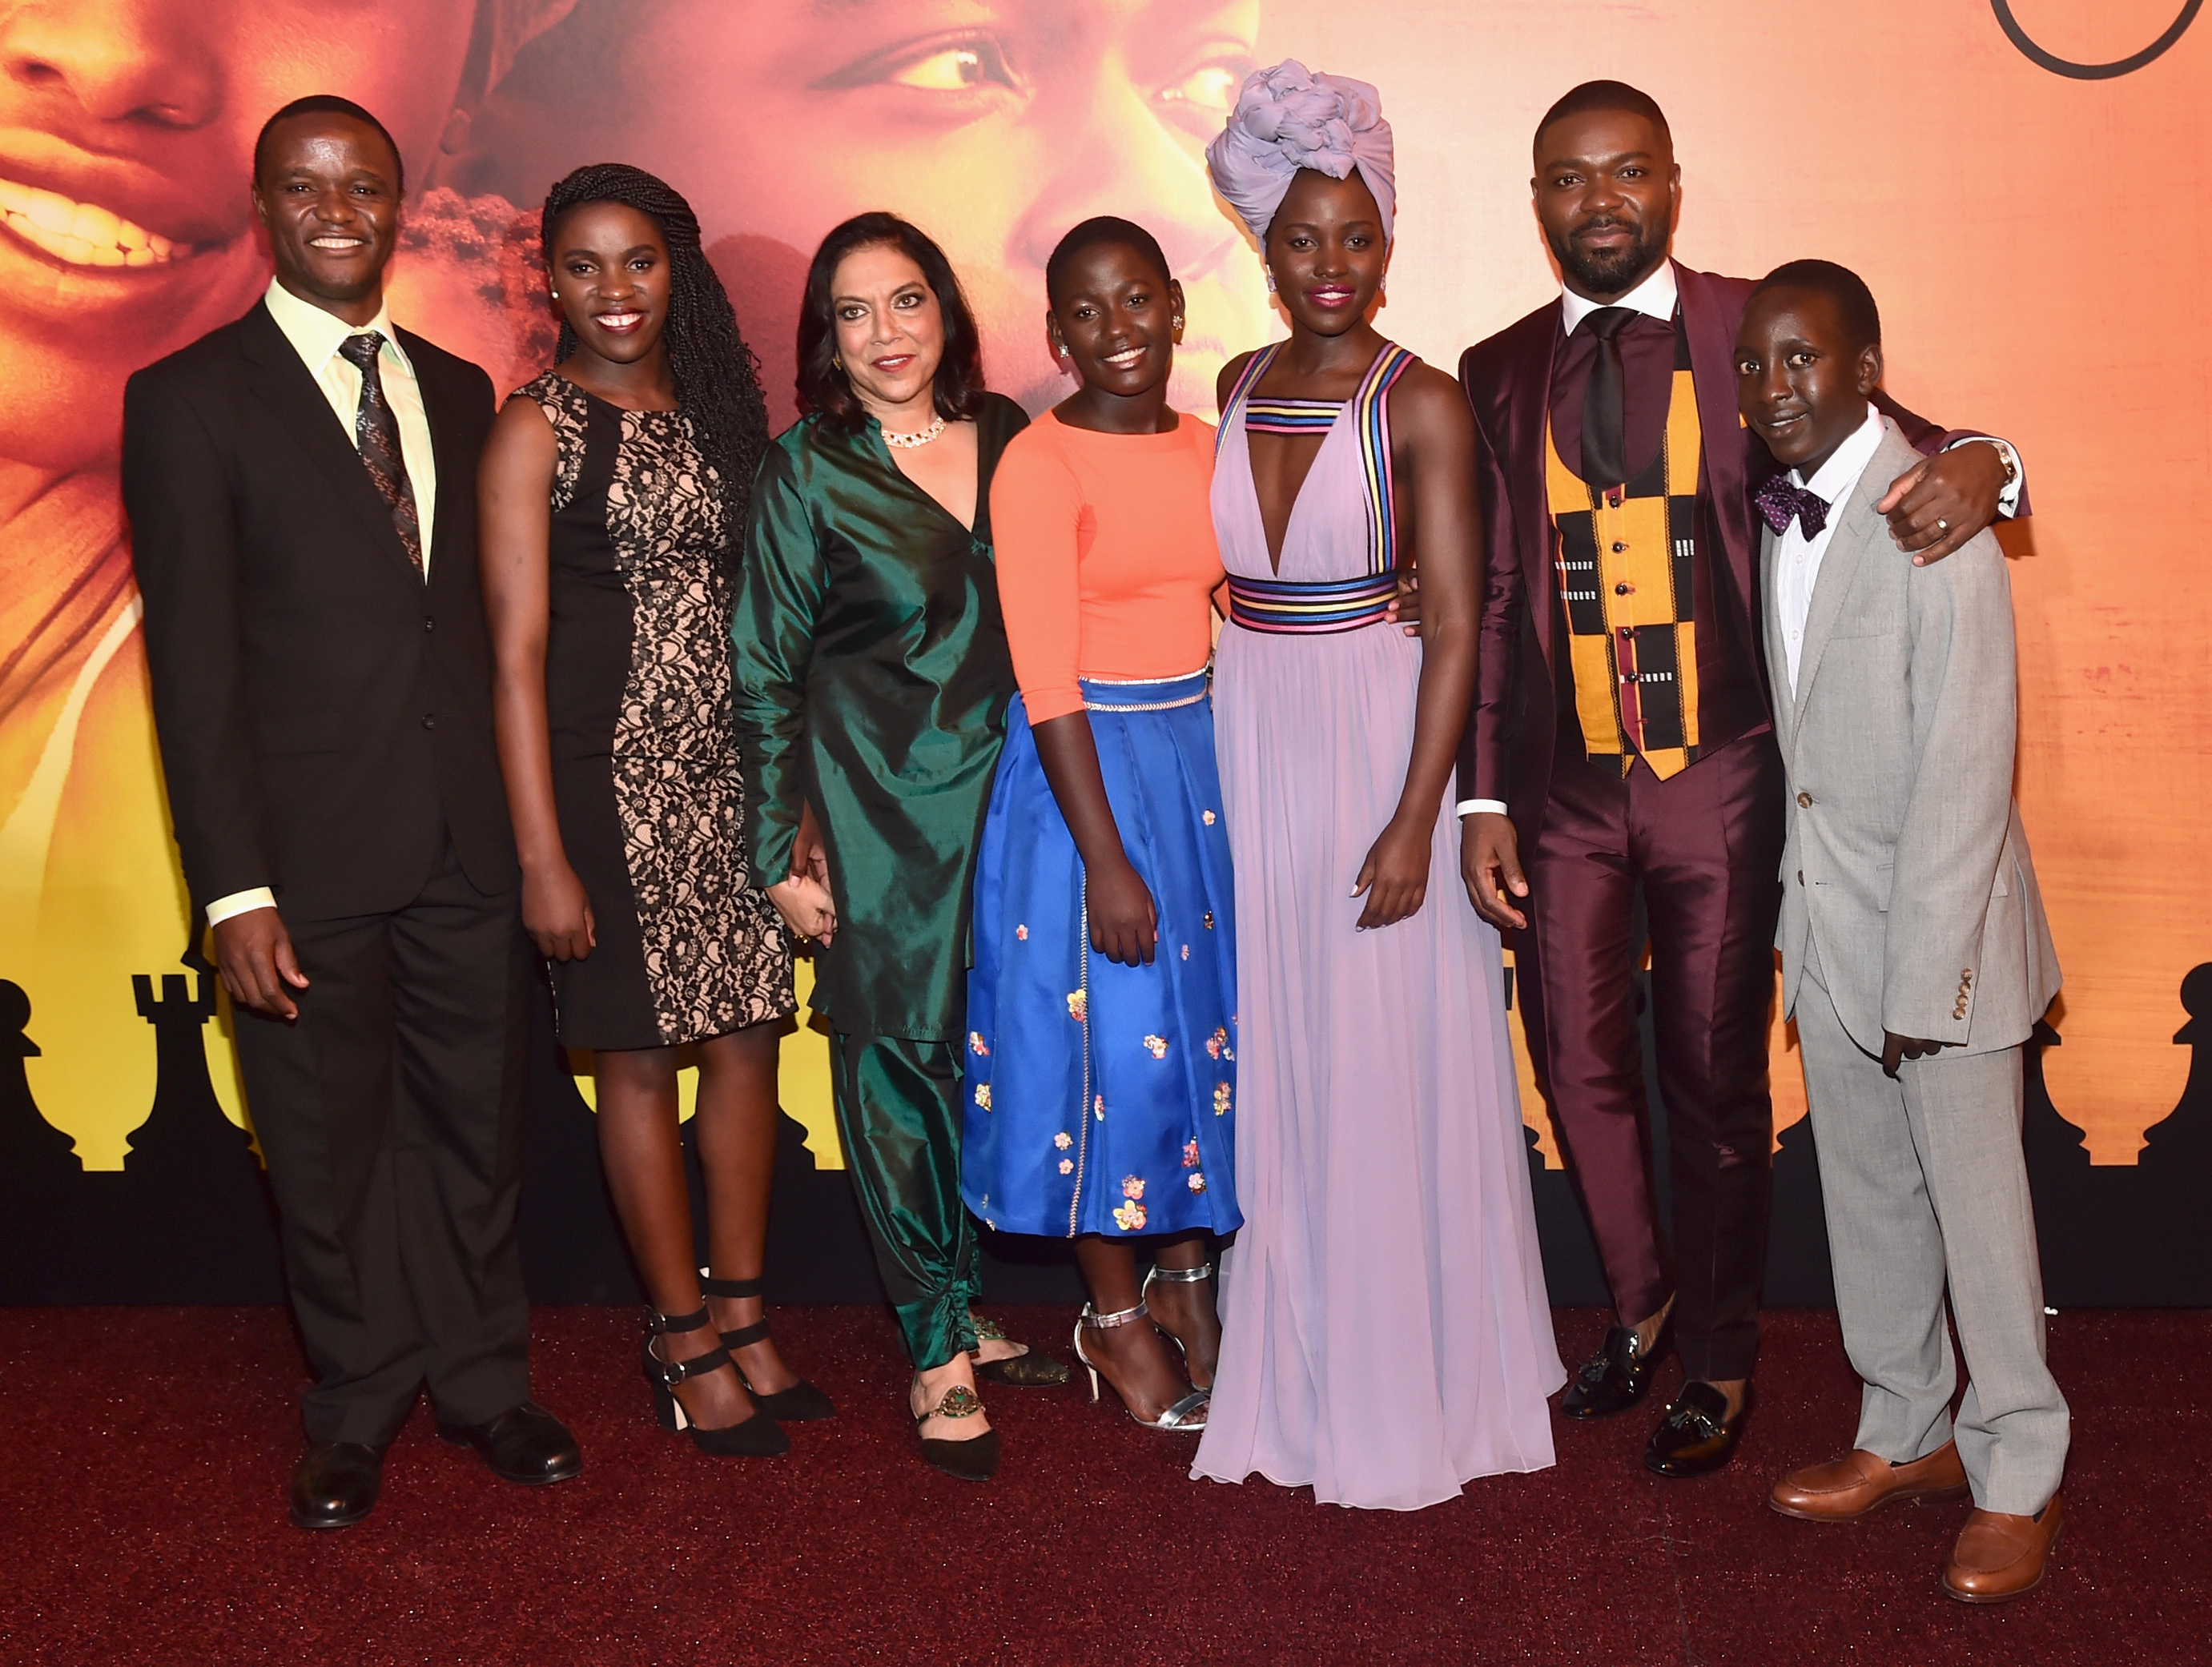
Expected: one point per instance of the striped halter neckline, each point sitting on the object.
(1291, 416)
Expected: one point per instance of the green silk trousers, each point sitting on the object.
(898, 1112)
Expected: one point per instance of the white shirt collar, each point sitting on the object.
(316, 335)
(1834, 480)
(1655, 297)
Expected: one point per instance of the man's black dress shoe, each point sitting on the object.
(1697, 1436)
(337, 1483)
(524, 1444)
(1618, 1376)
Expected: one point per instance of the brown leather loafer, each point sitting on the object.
(1999, 1556)
(1844, 1490)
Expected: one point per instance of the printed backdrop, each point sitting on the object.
(2019, 183)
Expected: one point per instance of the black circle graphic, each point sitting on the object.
(2062, 66)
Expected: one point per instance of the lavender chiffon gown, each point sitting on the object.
(1386, 1333)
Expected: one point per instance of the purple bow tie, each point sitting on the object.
(1782, 502)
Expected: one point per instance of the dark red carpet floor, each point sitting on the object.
(146, 1454)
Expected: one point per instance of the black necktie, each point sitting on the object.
(377, 432)
(1605, 415)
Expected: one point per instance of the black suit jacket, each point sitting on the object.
(325, 715)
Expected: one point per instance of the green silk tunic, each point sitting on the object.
(872, 677)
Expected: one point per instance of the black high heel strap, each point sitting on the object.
(744, 1336)
(658, 1322)
(730, 1288)
(672, 1372)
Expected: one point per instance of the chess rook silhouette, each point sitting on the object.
(189, 1218)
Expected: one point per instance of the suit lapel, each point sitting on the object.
(1712, 373)
(282, 382)
(1528, 413)
(445, 536)
(1770, 630)
(1857, 527)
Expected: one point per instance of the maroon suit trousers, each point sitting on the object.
(1705, 846)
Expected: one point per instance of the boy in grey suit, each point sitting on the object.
(1915, 955)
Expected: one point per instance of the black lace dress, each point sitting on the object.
(645, 765)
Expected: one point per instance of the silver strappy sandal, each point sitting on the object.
(1186, 1417)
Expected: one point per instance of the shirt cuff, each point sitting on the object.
(2009, 499)
(239, 902)
(1495, 807)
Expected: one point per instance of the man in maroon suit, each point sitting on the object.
(1621, 740)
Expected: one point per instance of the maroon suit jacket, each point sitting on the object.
(1506, 754)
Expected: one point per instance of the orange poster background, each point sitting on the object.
(2035, 241)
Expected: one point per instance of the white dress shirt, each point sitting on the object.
(1797, 558)
(316, 336)
(1656, 297)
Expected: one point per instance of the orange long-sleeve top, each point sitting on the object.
(1107, 563)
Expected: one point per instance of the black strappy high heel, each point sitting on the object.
(756, 1437)
(802, 1403)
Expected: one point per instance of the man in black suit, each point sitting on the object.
(302, 489)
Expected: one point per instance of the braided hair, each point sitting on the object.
(717, 377)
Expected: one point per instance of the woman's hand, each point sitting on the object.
(1396, 876)
(1125, 926)
(806, 907)
(1404, 610)
(810, 855)
(557, 912)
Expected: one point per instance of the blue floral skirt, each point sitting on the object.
(1100, 1097)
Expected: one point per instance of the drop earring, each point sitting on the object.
(1269, 272)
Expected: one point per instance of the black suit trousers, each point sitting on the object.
(390, 1116)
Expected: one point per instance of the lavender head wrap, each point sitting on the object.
(1286, 119)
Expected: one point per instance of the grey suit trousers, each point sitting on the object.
(1926, 1186)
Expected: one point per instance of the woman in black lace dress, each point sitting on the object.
(613, 491)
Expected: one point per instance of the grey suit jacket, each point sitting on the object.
(1907, 867)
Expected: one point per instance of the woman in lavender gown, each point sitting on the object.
(1386, 1335)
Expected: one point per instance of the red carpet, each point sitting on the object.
(147, 1453)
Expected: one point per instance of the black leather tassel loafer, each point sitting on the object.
(1618, 1376)
(1697, 1436)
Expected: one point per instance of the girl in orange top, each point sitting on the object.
(1100, 1065)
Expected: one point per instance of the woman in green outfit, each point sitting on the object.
(872, 683)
